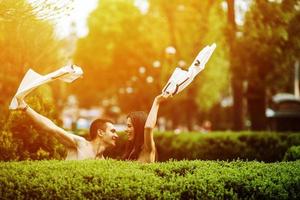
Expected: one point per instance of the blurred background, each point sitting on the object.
(129, 48)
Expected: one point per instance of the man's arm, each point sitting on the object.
(67, 139)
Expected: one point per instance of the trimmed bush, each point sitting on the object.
(21, 140)
(292, 154)
(8, 147)
(260, 146)
(110, 179)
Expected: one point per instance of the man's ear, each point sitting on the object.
(100, 132)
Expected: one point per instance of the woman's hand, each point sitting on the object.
(162, 97)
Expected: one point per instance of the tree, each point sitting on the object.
(23, 45)
(27, 40)
(236, 69)
(270, 46)
(112, 52)
(116, 48)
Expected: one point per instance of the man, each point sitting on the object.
(102, 135)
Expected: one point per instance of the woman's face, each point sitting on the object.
(130, 129)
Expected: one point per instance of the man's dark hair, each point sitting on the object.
(98, 124)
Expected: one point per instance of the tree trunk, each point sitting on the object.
(236, 81)
(256, 100)
(237, 90)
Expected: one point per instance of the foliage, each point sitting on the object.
(261, 146)
(27, 40)
(192, 25)
(115, 49)
(274, 47)
(43, 9)
(112, 52)
(8, 147)
(293, 153)
(24, 46)
(21, 140)
(268, 48)
(108, 179)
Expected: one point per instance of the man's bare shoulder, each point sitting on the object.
(77, 138)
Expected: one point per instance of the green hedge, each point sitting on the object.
(292, 154)
(260, 146)
(110, 179)
(20, 139)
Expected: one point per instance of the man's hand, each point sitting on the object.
(21, 104)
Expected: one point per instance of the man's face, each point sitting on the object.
(110, 136)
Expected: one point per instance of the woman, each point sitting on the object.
(141, 145)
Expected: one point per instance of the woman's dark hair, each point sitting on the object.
(134, 147)
(98, 124)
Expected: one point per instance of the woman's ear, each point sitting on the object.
(100, 132)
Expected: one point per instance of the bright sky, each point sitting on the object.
(79, 15)
(82, 9)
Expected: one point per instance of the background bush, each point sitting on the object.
(110, 179)
(261, 146)
(293, 153)
(21, 140)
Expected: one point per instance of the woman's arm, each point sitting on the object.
(63, 136)
(149, 144)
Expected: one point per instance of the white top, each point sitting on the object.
(180, 79)
(32, 80)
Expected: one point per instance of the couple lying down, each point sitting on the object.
(141, 145)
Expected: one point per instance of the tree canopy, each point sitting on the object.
(270, 47)
(125, 55)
